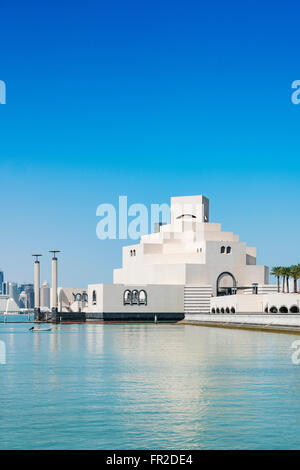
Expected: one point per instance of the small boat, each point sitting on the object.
(39, 330)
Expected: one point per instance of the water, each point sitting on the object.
(20, 318)
(147, 387)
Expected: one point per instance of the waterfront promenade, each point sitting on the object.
(283, 323)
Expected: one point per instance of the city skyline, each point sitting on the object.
(146, 101)
(21, 293)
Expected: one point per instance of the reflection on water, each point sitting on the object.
(147, 387)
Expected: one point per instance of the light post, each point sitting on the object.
(37, 310)
(54, 282)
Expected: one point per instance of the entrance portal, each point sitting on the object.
(226, 284)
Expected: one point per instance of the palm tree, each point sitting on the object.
(277, 271)
(283, 274)
(286, 273)
(295, 274)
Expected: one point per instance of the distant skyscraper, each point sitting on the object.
(23, 300)
(45, 295)
(21, 288)
(1, 281)
(29, 291)
(5, 288)
(13, 291)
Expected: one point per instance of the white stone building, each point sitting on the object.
(262, 302)
(191, 251)
(175, 271)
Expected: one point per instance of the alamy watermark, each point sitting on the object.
(2, 352)
(296, 354)
(133, 221)
(296, 94)
(2, 92)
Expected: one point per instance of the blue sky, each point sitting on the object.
(149, 100)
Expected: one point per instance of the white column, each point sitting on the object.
(54, 283)
(36, 284)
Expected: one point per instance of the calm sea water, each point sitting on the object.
(147, 387)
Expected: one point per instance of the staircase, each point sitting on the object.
(197, 299)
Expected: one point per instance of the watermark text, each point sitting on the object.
(2, 352)
(2, 92)
(135, 220)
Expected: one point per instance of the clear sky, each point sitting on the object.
(147, 99)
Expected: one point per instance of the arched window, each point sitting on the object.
(186, 216)
(94, 297)
(273, 309)
(142, 297)
(222, 249)
(228, 249)
(232, 310)
(294, 309)
(227, 310)
(283, 309)
(213, 310)
(135, 297)
(127, 297)
(130, 252)
(134, 252)
(85, 297)
(222, 310)
(78, 297)
(218, 310)
(266, 310)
